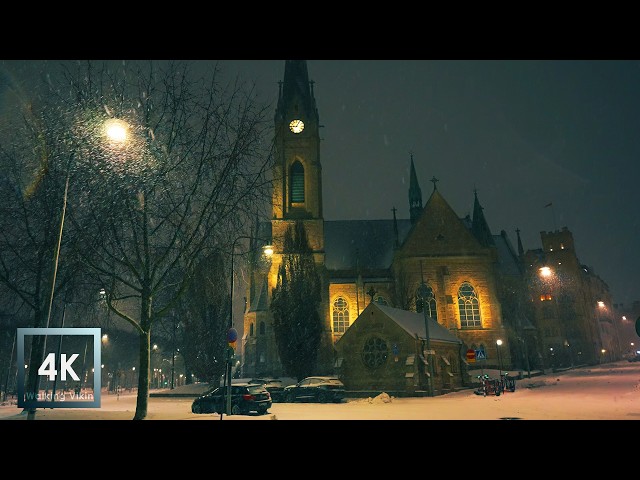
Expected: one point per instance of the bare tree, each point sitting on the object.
(31, 200)
(190, 159)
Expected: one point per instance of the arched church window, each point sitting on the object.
(429, 302)
(251, 330)
(340, 315)
(263, 328)
(297, 183)
(468, 306)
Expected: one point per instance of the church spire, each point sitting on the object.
(415, 194)
(520, 249)
(479, 225)
(296, 93)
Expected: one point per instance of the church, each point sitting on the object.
(434, 268)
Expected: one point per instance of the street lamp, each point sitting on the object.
(498, 343)
(116, 131)
(423, 291)
(268, 251)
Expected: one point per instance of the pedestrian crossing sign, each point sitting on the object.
(481, 355)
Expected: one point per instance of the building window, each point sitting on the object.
(263, 328)
(340, 315)
(297, 183)
(468, 306)
(429, 303)
(374, 352)
(251, 330)
(381, 300)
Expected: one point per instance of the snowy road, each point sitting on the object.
(607, 392)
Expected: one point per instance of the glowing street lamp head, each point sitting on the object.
(268, 250)
(105, 338)
(545, 271)
(499, 342)
(116, 130)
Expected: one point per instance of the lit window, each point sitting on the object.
(340, 315)
(468, 306)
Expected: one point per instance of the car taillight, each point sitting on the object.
(248, 397)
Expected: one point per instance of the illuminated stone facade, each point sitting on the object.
(383, 260)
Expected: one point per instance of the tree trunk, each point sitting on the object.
(143, 376)
(35, 359)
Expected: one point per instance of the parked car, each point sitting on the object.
(245, 398)
(274, 386)
(635, 358)
(315, 389)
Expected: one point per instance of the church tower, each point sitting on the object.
(415, 195)
(297, 195)
(297, 192)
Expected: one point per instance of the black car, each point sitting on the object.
(315, 389)
(274, 386)
(245, 398)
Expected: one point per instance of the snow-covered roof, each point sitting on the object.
(413, 323)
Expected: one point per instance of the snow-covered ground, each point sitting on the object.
(604, 392)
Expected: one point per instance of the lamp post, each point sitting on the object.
(499, 343)
(267, 250)
(422, 295)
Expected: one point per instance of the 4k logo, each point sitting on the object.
(62, 372)
(65, 365)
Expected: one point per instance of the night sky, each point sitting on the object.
(523, 133)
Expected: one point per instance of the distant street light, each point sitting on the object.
(498, 343)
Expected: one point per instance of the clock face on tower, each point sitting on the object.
(296, 126)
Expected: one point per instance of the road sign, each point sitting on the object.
(481, 355)
(471, 356)
(232, 335)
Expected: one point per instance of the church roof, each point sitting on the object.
(440, 232)
(364, 244)
(259, 302)
(413, 323)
